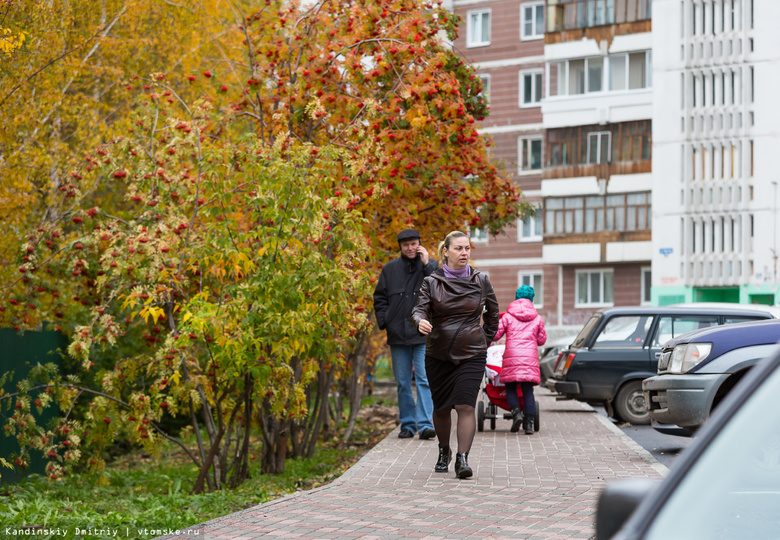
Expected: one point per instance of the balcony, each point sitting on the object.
(612, 217)
(600, 151)
(569, 20)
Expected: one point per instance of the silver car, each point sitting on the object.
(698, 369)
(725, 485)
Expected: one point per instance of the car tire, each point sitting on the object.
(630, 405)
(481, 416)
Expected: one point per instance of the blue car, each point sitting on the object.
(698, 369)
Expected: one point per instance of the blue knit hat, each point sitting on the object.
(525, 291)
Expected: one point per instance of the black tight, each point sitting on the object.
(466, 428)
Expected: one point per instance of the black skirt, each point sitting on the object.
(453, 384)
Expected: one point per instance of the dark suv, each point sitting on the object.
(619, 347)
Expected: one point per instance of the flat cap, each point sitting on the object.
(408, 234)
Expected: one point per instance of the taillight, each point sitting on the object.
(567, 363)
(557, 361)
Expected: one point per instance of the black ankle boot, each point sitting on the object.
(517, 418)
(443, 463)
(528, 425)
(462, 469)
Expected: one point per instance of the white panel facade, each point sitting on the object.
(715, 138)
(597, 108)
(571, 253)
(628, 251)
(561, 187)
(631, 182)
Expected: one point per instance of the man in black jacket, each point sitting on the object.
(394, 298)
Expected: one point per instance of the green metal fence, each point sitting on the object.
(18, 353)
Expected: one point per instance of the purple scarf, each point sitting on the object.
(450, 273)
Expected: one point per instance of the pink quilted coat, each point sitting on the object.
(524, 330)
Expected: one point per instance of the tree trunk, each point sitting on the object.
(325, 380)
(356, 383)
(241, 472)
(275, 440)
(210, 459)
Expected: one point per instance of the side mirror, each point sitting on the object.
(617, 502)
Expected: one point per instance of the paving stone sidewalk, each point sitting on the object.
(541, 486)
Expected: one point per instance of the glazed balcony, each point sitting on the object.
(571, 20)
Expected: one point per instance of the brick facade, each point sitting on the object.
(505, 60)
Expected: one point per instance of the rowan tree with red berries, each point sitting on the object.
(235, 273)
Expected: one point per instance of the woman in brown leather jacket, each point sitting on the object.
(449, 311)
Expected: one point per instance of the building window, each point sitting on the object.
(646, 284)
(532, 279)
(599, 147)
(478, 31)
(638, 70)
(629, 71)
(618, 74)
(485, 86)
(752, 85)
(595, 74)
(530, 229)
(597, 213)
(530, 151)
(576, 75)
(570, 14)
(594, 288)
(629, 141)
(530, 88)
(478, 234)
(532, 21)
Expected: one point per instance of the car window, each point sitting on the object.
(626, 331)
(734, 320)
(584, 334)
(672, 326)
(733, 489)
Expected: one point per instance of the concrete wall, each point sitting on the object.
(700, 194)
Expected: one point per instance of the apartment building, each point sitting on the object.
(715, 118)
(505, 41)
(570, 88)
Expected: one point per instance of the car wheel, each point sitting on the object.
(630, 405)
(481, 416)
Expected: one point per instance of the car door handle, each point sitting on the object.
(657, 356)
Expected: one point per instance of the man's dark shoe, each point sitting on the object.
(427, 433)
(462, 469)
(528, 425)
(406, 434)
(517, 418)
(443, 463)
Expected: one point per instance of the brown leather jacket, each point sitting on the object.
(454, 306)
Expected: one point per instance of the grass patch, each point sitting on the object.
(383, 370)
(141, 497)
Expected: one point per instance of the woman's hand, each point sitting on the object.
(424, 327)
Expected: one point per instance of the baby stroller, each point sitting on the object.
(496, 393)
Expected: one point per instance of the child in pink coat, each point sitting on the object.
(525, 331)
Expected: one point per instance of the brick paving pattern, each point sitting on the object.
(542, 486)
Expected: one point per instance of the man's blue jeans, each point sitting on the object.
(413, 417)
